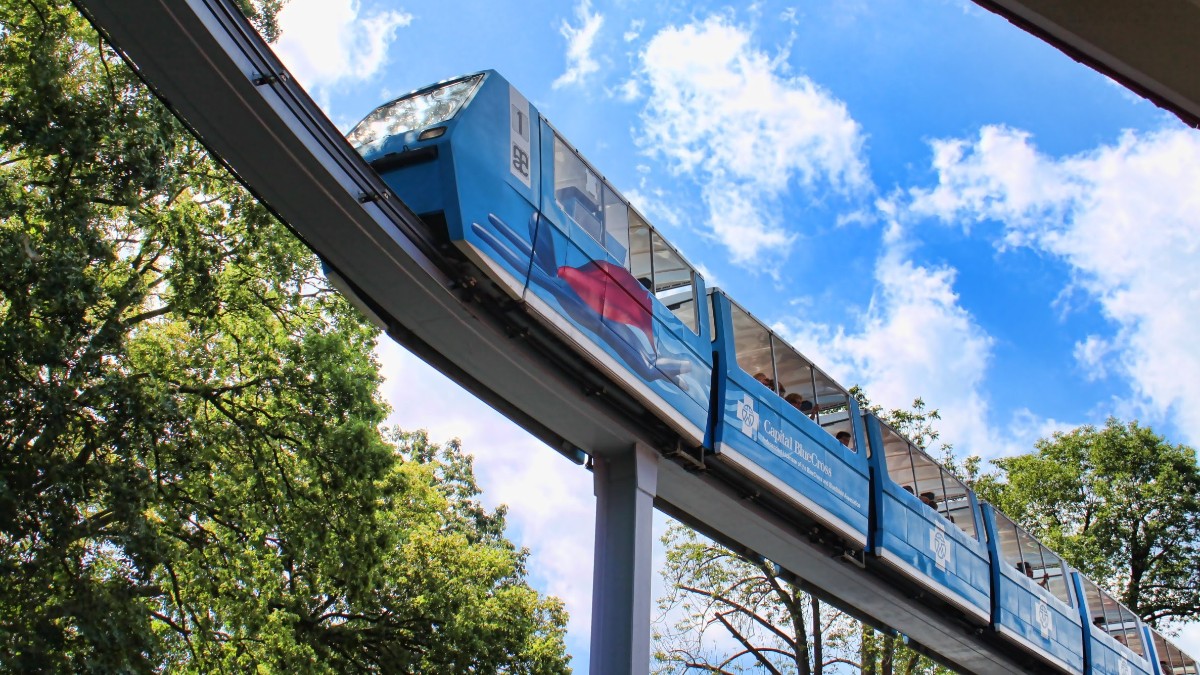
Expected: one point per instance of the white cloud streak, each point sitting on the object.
(580, 41)
(725, 113)
(1122, 218)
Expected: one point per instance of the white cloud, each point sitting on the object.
(635, 30)
(913, 340)
(1122, 217)
(551, 503)
(580, 41)
(726, 113)
(325, 42)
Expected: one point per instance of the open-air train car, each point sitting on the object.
(1167, 658)
(475, 158)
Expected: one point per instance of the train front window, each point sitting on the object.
(416, 111)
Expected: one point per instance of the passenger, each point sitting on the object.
(1027, 569)
(1098, 622)
(797, 402)
(765, 381)
(929, 499)
(1119, 637)
(910, 490)
(844, 438)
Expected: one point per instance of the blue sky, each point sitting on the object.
(927, 200)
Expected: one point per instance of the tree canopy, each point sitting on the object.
(1119, 503)
(192, 471)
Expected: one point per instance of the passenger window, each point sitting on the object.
(1027, 555)
(926, 480)
(616, 227)
(674, 283)
(640, 265)
(1112, 617)
(956, 504)
(833, 408)
(577, 190)
(795, 378)
(752, 345)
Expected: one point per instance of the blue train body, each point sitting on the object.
(525, 208)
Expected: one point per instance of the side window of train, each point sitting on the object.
(674, 283)
(1112, 617)
(590, 202)
(1028, 556)
(752, 345)
(926, 480)
(577, 190)
(662, 271)
(833, 409)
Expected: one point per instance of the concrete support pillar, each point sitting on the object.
(625, 489)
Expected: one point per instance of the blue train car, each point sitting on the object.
(787, 425)
(1034, 605)
(927, 524)
(1166, 658)
(524, 206)
(1114, 642)
(472, 156)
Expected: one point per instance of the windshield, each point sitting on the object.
(413, 112)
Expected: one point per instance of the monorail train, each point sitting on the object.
(473, 156)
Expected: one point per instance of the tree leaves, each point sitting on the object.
(1120, 504)
(192, 474)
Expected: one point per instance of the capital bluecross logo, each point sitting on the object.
(939, 545)
(748, 416)
(1045, 620)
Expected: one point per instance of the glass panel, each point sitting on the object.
(416, 111)
(833, 402)
(616, 226)
(956, 505)
(577, 190)
(795, 378)
(752, 342)
(1010, 548)
(897, 456)
(640, 261)
(674, 282)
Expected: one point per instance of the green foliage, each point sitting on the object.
(1120, 504)
(192, 475)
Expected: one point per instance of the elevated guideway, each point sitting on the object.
(205, 61)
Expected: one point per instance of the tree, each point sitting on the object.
(1119, 503)
(192, 473)
(724, 613)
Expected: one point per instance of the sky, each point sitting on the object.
(927, 201)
